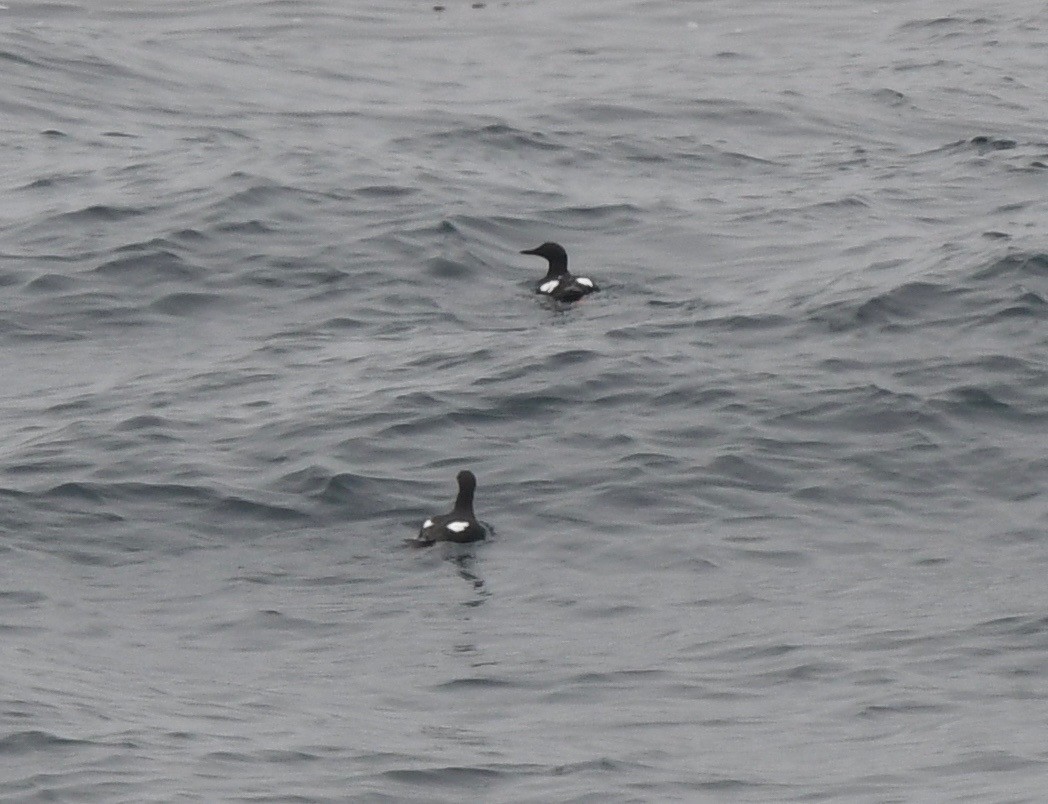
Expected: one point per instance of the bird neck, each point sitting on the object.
(464, 501)
(558, 266)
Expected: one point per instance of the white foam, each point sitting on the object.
(457, 527)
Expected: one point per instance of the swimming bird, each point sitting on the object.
(558, 283)
(459, 525)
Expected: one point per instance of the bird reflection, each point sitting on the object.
(465, 563)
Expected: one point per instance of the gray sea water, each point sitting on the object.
(769, 512)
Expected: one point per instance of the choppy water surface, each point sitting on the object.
(769, 512)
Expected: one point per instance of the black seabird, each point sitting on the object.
(460, 525)
(558, 283)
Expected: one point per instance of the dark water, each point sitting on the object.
(770, 514)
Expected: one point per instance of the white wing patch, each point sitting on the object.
(457, 527)
(584, 281)
(427, 524)
(549, 287)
